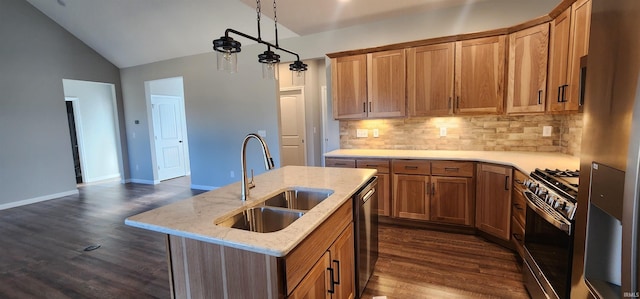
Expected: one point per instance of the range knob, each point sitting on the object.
(541, 191)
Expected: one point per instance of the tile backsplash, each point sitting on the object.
(486, 133)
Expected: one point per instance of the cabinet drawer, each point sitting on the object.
(451, 168)
(339, 162)
(518, 180)
(518, 206)
(381, 165)
(412, 167)
(517, 236)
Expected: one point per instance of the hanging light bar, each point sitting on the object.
(227, 48)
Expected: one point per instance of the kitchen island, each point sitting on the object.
(210, 260)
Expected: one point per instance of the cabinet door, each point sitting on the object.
(528, 52)
(317, 282)
(493, 200)
(430, 80)
(480, 75)
(349, 83)
(411, 196)
(580, 26)
(452, 200)
(343, 265)
(386, 84)
(384, 194)
(558, 61)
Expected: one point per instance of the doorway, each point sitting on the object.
(293, 149)
(169, 129)
(94, 130)
(75, 150)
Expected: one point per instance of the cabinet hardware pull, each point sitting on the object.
(564, 93)
(517, 206)
(337, 262)
(332, 288)
(364, 107)
(540, 97)
(559, 93)
(456, 169)
(506, 183)
(369, 106)
(458, 102)
(517, 237)
(433, 188)
(372, 165)
(411, 167)
(518, 181)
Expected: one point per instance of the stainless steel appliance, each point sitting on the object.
(366, 233)
(606, 254)
(548, 240)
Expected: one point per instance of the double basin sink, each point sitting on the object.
(278, 211)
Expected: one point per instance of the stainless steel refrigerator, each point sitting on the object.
(605, 262)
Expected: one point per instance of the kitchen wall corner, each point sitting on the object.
(488, 133)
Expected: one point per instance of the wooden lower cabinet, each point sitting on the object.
(411, 196)
(205, 270)
(518, 212)
(452, 200)
(493, 200)
(333, 275)
(384, 182)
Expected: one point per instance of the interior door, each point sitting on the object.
(168, 135)
(292, 127)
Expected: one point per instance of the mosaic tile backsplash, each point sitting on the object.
(477, 133)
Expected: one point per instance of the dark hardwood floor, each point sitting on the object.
(42, 252)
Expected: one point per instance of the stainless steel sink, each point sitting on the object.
(299, 199)
(262, 219)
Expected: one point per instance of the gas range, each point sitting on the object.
(554, 191)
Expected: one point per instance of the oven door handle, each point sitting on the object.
(562, 225)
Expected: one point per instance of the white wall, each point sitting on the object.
(100, 160)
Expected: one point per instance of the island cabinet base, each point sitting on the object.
(204, 270)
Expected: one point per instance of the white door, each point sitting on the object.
(167, 127)
(292, 127)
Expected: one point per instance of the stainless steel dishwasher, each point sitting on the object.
(366, 232)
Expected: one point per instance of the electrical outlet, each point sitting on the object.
(376, 133)
(443, 131)
(362, 133)
(546, 131)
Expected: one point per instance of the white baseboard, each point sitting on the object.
(203, 187)
(37, 199)
(103, 178)
(146, 182)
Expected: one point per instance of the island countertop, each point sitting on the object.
(195, 217)
(526, 162)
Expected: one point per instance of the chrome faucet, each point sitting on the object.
(268, 163)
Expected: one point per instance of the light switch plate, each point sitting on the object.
(546, 131)
(443, 131)
(362, 133)
(376, 133)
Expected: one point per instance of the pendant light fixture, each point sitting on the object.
(227, 48)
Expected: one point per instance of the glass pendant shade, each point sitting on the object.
(270, 71)
(297, 78)
(227, 62)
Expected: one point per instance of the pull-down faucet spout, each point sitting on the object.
(268, 163)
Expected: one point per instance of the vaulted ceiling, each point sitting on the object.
(134, 32)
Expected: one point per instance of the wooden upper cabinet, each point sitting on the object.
(579, 47)
(430, 79)
(569, 42)
(349, 86)
(480, 75)
(369, 85)
(527, 72)
(386, 84)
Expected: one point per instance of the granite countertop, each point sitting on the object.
(195, 217)
(523, 161)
